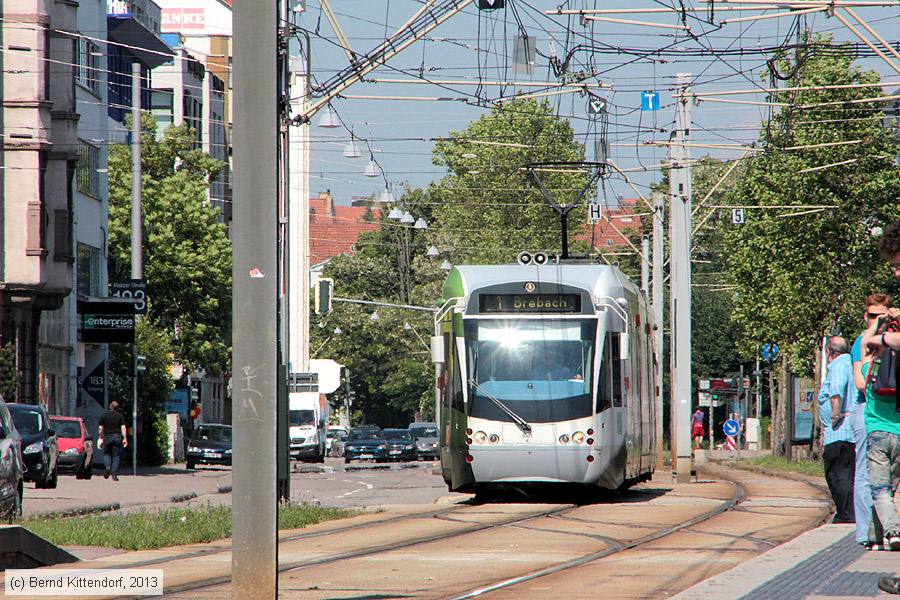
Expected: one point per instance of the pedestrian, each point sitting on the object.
(839, 456)
(697, 428)
(877, 306)
(111, 438)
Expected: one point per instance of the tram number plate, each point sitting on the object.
(395, 452)
(210, 455)
(367, 456)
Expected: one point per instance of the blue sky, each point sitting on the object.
(473, 44)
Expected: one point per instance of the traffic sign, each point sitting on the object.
(135, 289)
(731, 427)
(704, 384)
(769, 352)
(649, 100)
(595, 213)
(737, 216)
(490, 4)
(596, 105)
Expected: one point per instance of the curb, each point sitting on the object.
(182, 497)
(76, 512)
(381, 467)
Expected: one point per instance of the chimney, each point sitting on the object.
(328, 200)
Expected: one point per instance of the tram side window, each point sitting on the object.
(604, 387)
(617, 369)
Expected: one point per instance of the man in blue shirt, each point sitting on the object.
(835, 397)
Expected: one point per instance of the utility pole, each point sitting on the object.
(657, 297)
(255, 297)
(137, 238)
(645, 264)
(680, 281)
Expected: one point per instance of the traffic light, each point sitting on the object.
(323, 291)
(140, 363)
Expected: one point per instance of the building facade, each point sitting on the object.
(39, 123)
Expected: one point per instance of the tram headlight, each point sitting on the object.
(578, 437)
(564, 438)
(479, 437)
(494, 438)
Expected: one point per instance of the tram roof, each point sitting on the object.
(599, 279)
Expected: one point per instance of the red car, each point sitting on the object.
(76, 447)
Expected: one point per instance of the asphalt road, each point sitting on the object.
(332, 484)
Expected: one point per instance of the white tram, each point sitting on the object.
(544, 374)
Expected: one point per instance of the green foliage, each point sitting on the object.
(490, 208)
(143, 530)
(187, 254)
(9, 374)
(473, 217)
(800, 272)
(783, 465)
(154, 388)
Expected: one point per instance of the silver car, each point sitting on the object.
(425, 436)
(12, 468)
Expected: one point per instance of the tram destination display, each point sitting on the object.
(529, 303)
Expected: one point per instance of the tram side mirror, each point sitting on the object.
(623, 346)
(437, 349)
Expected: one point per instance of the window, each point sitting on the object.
(193, 116)
(161, 106)
(88, 270)
(87, 72)
(88, 169)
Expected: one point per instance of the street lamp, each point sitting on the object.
(351, 150)
(407, 219)
(446, 266)
(386, 197)
(375, 316)
(371, 169)
(337, 331)
(329, 120)
(433, 251)
(396, 214)
(420, 224)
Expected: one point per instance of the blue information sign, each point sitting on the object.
(649, 100)
(731, 427)
(769, 352)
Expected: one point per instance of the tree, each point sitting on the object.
(802, 272)
(154, 387)
(187, 254)
(489, 207)
(9, 372)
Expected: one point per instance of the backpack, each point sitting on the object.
(883, 369)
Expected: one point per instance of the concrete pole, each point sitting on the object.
(298, 225)
(137, 238)
(645, 264)
(657, 298)
(680, 278)
(255, 292)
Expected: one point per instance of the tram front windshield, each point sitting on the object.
(541, 369)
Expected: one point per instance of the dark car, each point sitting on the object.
(400, 444)
(12, 471)
(425, 436)
(40, 452)
(76, 447)
(209, 445)
(365, 443)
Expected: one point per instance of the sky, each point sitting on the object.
(472, 44)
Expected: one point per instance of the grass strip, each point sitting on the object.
(144, 530)
(780, 463)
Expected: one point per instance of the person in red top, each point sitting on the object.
(697, 428)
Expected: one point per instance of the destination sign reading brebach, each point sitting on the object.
(78, 582)
(530, 303)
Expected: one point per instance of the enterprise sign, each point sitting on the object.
(107, 321)
(530, 303)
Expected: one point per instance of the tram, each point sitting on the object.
(544, 373)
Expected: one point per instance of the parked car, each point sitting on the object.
(210, 444)
(334, 441)
(365, 443)
(425, 436)
(400, 444)
(76, 447)
(40, 451)
(12, 470)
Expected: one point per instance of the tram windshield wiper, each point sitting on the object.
(519, 421)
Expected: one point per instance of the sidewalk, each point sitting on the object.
(152, 486)
(823, 564)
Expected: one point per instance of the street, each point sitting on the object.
(332, 484)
